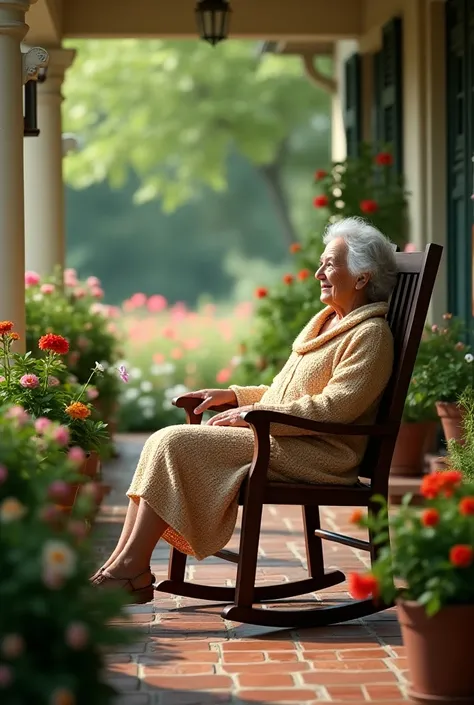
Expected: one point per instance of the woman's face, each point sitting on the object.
(340, 289)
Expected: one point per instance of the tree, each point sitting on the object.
(171, 111)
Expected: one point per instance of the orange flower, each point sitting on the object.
(363, 586)
(5, 327)
(55, 343)
(356, 516)
(383, 159)
(369, 206)
(437, 482)
(15, 336)
(430, 517)
(466, 506)
(320, 174)
(295, 247)
(303, 274)
(78, 410)
(261, 292)
(447, 316)
(461, 555)
(288, 278)
(321, 201)
(459, 346)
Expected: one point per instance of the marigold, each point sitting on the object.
(55, 343)
(15, 336)
(383, 159)
(5, 327)
(461, 555)
(321, 201)
(430, 517)
(466, 506)
(261, 292)
(78, 410)
(295, 247)
(356, 516)
(303, 274)
(288, 278)
(437, 482)
(363, 586)
(369, 206)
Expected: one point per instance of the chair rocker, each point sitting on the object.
(407, 313)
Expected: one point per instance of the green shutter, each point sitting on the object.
(387, 115)
(352, 105)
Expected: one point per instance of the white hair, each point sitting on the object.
(368, 251)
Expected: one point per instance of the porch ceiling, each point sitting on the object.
(298, 20)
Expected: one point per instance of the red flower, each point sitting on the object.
(55, 343)
(363, 586)
(288, 278)
(303, 274)
(261, 292)
(466, 506)
(356, 516)
(369, 206)
(461, 555)
(321, 201)
(383, 159)
(15, 336)
(295, 247)
(430, 517)
(5, 327)
(320, 174)
(437, 482)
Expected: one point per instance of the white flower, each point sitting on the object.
(148, 413)
(146, 386)
(38, 297)
(59, 559)
(146, 403)
(98, 367)
(469, 357)
(166, 369)
(236, 360)
(11, 510)
(131, 393)
(135, 373)
(175, 391)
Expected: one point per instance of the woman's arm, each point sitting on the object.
(248, 395)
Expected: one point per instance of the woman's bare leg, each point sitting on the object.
(134, 559)
(128, 524)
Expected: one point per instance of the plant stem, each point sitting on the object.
(85, 386)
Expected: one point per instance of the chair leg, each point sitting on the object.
(177, 565)
(314, 545)
(248, 554)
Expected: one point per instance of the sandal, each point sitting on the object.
(138, 595)
(99, 572)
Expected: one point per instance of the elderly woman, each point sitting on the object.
(186, 486)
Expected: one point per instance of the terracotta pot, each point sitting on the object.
(410, 449)
(451, 419)
(90, 466)
(439, 653)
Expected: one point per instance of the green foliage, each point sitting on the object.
(366, 186)
(54, 625)
(461, 455)
(142, 106)
(431, 557)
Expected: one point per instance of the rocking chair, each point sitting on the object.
(407, 313)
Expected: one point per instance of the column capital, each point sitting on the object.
(60, 59)
(12, 17)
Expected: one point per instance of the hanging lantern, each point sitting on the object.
(213, 19)
(30, 118)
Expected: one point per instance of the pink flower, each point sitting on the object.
(61, 435)
(29, 381)
(3, 474)
(70, 277)
(156, 303)
(82, 342)
(77, 635)
(47, 288)
(77, 528)
(2, 379)
(18, 413)
(58, 490)
(123, 373)
(92, 393)
(70, 272)
(79, 293)
(158, 358)
(223, 375)
(138, 300)
(73, 358)
(12, 645)
(42, 424)
(168, 332)
(52, 579)
(93, 281)
(53, 381)
(177, 353)
(410, 247)
(192, 343)
(97, 292)
(6, 676)
(32, 279)
(112, 328)
(50, 514)
(76, 455)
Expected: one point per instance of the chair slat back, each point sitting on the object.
(407, 313)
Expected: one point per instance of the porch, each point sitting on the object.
(187, 655)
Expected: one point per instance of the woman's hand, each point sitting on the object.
(212, 397)
(231, 417)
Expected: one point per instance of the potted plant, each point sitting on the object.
(447, 371)
(429, 572)
(54, 625)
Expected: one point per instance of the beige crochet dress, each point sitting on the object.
(191, 475)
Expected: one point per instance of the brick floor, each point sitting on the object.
(187, 655)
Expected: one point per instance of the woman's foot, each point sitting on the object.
(140, 587)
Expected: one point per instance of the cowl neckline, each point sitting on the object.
(310, 338)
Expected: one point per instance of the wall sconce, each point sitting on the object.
(213, 20)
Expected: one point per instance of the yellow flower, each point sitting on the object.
(78, 410)
(11, 510)
(58, 559)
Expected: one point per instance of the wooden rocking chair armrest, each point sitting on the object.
(190, 403)
(264, 417)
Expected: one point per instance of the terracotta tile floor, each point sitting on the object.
(187, 655)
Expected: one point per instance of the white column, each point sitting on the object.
(44, 188)
(12, 252)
